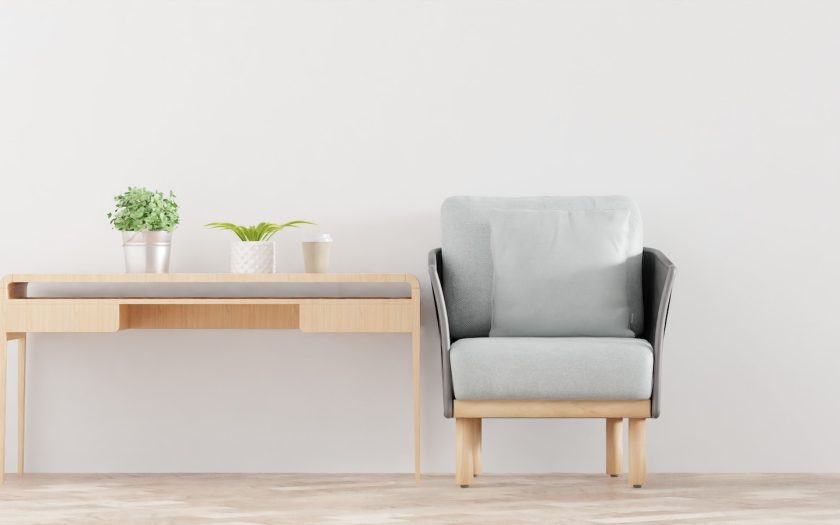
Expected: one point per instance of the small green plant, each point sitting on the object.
(140, 209)
(260, 232)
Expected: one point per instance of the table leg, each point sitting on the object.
(21, 398)
(3, 344)
(415, 365)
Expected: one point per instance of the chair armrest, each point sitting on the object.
(436, 275)
(657, 280)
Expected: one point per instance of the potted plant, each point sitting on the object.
(254, 251)
(146, 219)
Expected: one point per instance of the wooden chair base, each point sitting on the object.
(469, 414)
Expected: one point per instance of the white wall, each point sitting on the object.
(722, 118)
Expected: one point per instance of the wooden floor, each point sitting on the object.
(386, 499)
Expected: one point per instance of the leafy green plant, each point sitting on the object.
(260, 232)
(141, 209)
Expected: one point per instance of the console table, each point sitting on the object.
(21, 314)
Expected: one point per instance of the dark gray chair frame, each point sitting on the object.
(657, 282)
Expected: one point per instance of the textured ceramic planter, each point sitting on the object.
(147, 251)
(252, 257)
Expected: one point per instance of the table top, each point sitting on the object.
(20, 278)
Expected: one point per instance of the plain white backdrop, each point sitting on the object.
(722, 118)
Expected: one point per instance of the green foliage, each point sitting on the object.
(261, 232)
(140, 209)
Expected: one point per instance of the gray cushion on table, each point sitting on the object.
(560, 273)
(467, 262)
(552, 368)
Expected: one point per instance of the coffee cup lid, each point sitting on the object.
(318, 237)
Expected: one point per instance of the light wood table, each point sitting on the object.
(22, 314)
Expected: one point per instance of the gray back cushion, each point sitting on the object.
(467, 258)
(560, 273)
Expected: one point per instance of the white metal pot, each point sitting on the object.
(147, 251)
(252, 257)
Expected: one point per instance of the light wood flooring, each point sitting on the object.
(395, 499)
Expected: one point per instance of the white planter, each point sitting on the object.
(147, 251)
(252, 257)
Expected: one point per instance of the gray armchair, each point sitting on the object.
(517, 377)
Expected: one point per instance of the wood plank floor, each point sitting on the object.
(40, 499)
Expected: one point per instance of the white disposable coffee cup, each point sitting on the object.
(316, 253)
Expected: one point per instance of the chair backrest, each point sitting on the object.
(467, 261)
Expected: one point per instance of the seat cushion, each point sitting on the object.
(467, 261)
(552, 368)
(560, 273)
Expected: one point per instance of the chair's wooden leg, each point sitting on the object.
(476, 451)
(615, 445)
(638, 468)
(21, 400)
(464, 451)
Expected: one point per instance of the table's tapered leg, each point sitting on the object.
(415, 365)
(21, 399)
(3, 344)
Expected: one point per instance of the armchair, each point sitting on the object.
(536, 377)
